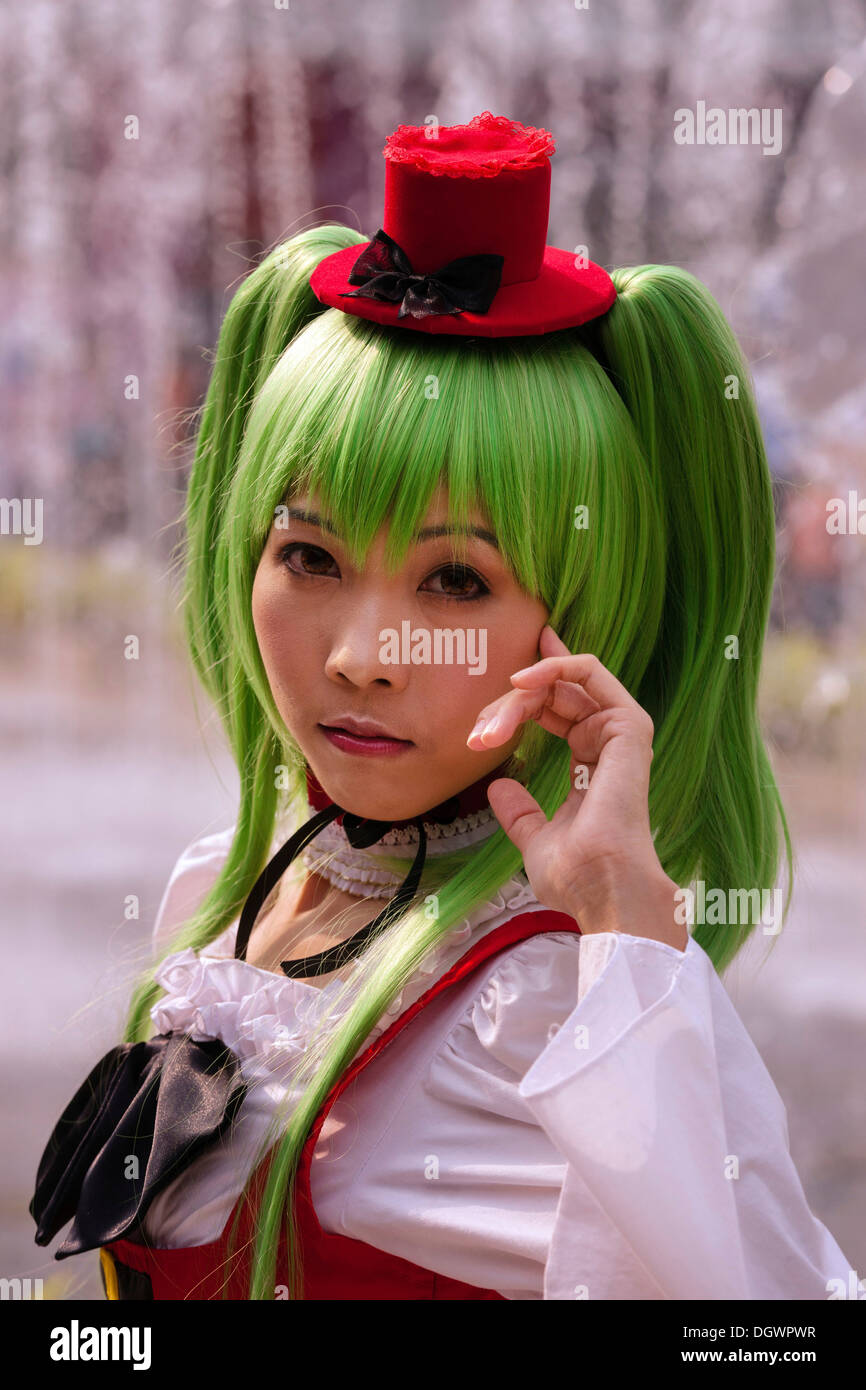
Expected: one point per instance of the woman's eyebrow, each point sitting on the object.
(313, 519)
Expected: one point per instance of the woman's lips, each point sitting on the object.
(367, 746)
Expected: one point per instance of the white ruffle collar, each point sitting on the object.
(361, 872)
(266, 1018)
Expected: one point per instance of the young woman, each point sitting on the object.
(479, 559)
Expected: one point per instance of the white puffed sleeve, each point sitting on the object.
(679, 1181)
(190, 880)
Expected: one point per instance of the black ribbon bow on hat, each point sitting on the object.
(384, 271)
(161, 1103)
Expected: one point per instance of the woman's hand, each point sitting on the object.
(595, 859)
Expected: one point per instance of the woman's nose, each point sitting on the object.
(362, 651)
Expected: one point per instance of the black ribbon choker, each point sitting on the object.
(384, 271)
(361, 832)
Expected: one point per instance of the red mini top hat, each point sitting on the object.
(462, 248)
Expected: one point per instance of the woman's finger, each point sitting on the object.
(583, 669)
(517, 811)
(500, 719)
(570, 701)
(563, 703)
(551, 644)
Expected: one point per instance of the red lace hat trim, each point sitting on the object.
(479, 150)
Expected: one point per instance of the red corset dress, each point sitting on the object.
(334, 1266)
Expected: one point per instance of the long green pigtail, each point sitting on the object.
(713, 796)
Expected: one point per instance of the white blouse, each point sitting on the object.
(583, 1117)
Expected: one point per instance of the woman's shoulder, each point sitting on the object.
(194, 873)
(556, 980)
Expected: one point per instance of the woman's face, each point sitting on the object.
(337, 644)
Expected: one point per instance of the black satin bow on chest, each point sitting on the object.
(384, 271)
(145, 1111)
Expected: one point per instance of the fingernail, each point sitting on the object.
(479, 725)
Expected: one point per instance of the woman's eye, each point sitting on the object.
(458, 582)
(314, 563)
(459, 577)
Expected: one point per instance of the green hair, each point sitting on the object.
(632, 416)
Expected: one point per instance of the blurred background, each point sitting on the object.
(149, 158)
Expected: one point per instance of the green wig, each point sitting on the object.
(645, 418)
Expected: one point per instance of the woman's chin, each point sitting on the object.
(374, 790)
(361, 802)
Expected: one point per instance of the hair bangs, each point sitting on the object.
(517, 438)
